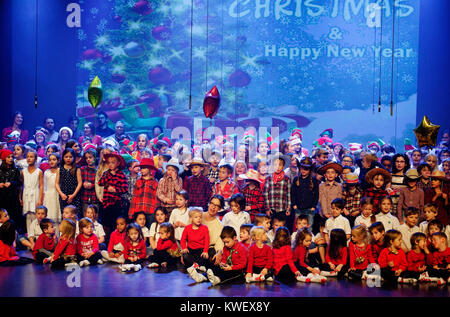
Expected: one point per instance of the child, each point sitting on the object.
(20, 156)
(367, 217)
(410, 196)
(35, 229)
(240, 168)
(430, 212)
(301, 258)
(88, 251)
(195, 243)
(262, 169)
(51, 200)
(70, 212)
(392, 258)
(360, 252)
(377, 178)
(441, 258)
(170, 185)
(160, 218)
(132, 177)
(244, 234)
(225, 187)
(409, 227)
(101, 169)
(68, 181)
(144, 193)
(139, 219)
(254, 198)
(263, 220)
(283, 263)
(329, 189)
(115, 185)
(116, 243)
(352, 195)
(88, 172)
(433, 227)
(10, 183)
(91, 212)
(142, 141)
(416, 258)
(33, 188)
(234, 259)
(134, 249)
(305, 190)
(179, 217)
(279, 220)
(198, 186)
(237, 216)
(438, 196)
(260, 257)
(377, 233)
(213, 174)
(277, 189)
(167, 251)
(336, 258)
(8, 254)
(45, 244)
(337, 220)
(65, 249)
(389, 221)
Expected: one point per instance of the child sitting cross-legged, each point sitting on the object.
(88, 251)
(260, 257)
(392, 259)
(134, 250)
(46, 242)
(167, 252)
(336, 258)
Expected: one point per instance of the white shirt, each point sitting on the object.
(339, 222)
(35, 229)
(423, 226)
(361, 220)
(236, 220)
(407, 232)
(153, 232)
(98, 229)
(270, 236)
(447, 232)
(388, 220)
(179, 215)
(145, 232)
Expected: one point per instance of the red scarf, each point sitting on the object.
(278, 177)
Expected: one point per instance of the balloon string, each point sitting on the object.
(392, 59)
(374, 68)
(381, 45)
(36, 56)
(207, 45)
(190, 64)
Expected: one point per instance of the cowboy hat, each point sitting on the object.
(197, 161)
(147, 163)
(336, 166)
(251, 175)
(174, 163)
(439, 175)
(305, 162)
(378, 171)
(119, 158)
(412, 174)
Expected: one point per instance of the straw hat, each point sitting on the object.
(351, 179)
(412, 174)
(251, 175)
(378, 171)
(336, 166)
(439, 175)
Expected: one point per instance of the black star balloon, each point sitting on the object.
(426, 133)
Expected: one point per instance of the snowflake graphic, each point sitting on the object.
(102, 25)
(81, 35)
(309, 105)
(94, 11)
(407, 78)
(284, 80)
(295, 88)
(339, 104)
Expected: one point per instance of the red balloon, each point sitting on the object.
(211, 103)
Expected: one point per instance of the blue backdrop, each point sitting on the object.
(310, 66)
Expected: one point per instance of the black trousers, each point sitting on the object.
(109, 216)
(228, 276)
(41, 255)
(194, 255)
(92, 259)
(285, 275)
(439, 273)
(139, 261)
(257, 270)
(161, 256)
(61, 261)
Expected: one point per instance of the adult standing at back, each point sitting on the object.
(16, 126)
(400, 164)
(49, 125)
(103, 130)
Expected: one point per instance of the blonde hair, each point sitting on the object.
(430, 207)
(257, 231)
(361, 231)
(68, 228)
(194, 210)
(72, 209)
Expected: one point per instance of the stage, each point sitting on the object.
(35, 280)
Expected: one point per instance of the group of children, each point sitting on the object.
(153, 210)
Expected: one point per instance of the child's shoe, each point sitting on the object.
(424, 277)
(137, 267)
(152, 265)
(100, 261)
(84, 263)
(212, 278)
(258, 277)
(199, 278)
(304, 279)
(46, 260)
(269, 279)
(440, 281)
(249, 279)
(326, 273)
(317, 278)
(125, 267)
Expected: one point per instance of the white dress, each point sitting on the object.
(51, 198)
(30, 190)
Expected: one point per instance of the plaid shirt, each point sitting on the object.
(88, 196)
(167, 190)
(144, 197)
(213, 174)
(119, 182)
(254, 199)
(277, 196)
(352, 201)
(131, 183)
(199, 190)
(229, 190)
(376, 195)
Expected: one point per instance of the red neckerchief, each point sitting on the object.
(278, 177)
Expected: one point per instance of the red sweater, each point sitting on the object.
(360, 257)
(283, 256)
(376, 250)
(116, 238)
(65, 247)
(195, 239)
(7, 253)
(260, 257)
(236, 257)
(415, 260)
(130, 250)
(342, 259)
(166, 245)
(87, 244)
(398, 258)
(441, 259)
(44, 242)
(300, 255)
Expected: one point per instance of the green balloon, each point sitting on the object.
(95, 92)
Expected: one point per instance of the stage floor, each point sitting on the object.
(34, 280)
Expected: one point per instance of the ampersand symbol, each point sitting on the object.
(335, 34)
